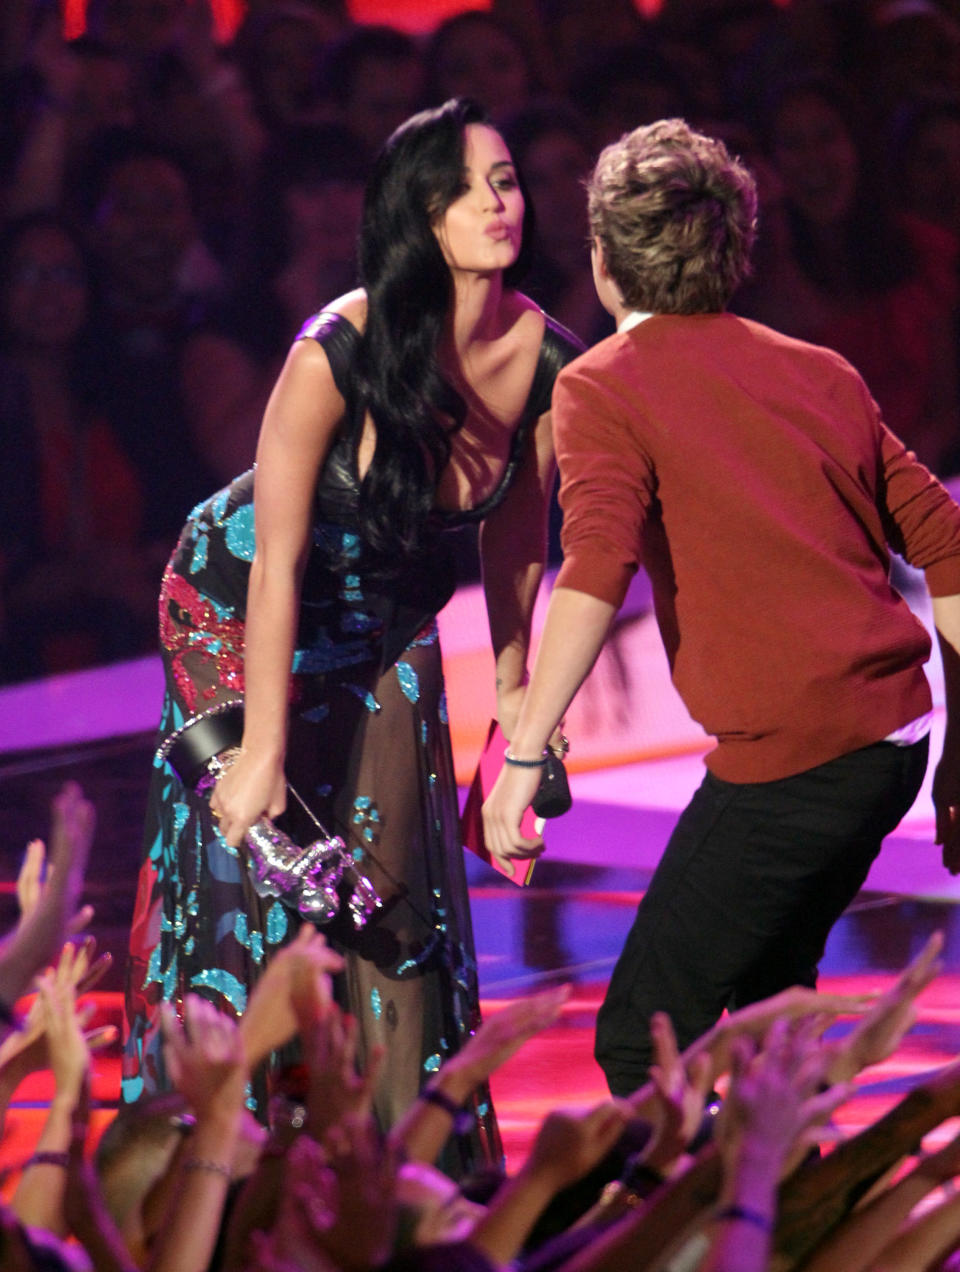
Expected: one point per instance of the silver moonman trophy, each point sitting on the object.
(315, 880)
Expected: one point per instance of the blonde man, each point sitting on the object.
(753, 478)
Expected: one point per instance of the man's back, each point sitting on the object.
(754, 478)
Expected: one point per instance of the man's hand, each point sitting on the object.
(946, 803)
(502, 813)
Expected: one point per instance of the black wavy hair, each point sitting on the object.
(409, 287)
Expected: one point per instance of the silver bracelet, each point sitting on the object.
(205, 1163)
(510, 758)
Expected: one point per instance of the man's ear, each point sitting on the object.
(596, 248)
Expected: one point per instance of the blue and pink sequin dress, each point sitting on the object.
(368, 750)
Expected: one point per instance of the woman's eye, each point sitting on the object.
(505, 183)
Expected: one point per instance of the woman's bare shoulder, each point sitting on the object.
(352, 306)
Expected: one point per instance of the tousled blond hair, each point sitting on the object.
(676, 217)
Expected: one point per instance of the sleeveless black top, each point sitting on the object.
(407, 595)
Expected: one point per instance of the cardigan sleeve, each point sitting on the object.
(922, 520)
(606, 485)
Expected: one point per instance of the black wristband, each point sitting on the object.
(462, 1120)
(46, 1157)
(730, 1214)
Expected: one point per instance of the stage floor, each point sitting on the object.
(569, 925)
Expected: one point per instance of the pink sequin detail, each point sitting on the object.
(203, 633)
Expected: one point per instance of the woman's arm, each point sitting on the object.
(513, 549)
(298, 428)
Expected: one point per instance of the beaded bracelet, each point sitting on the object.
(755, 1217)
(462, 1119)
(205, 1163)
(510, 758)
(46, 1157)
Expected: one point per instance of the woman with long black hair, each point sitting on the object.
(416, 404)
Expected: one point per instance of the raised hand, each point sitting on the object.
(775, 1094)
(30, 878)
(329, 1035)
(570, 1143)
(881, 1030)
(205, 1057)
(270, 1020)
(338, 1209)
(503, 1033)
(27, 1050)
(681, 1094)
(37, 939)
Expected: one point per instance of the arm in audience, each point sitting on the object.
(38, 1200)
(84, 1207)
(860, 1239)
(337, 1205)
(924, 1240)
(37, 940)
(26, 1050)
(822, 1193)
(206, 1063)
(753, 1021)
(329, 1036)
(270, 1021)
(645, 1238)
(422, 1132)
(680, 1097)
(567, 1146)
(36, 184)
(878, 1034)
(773, 1101)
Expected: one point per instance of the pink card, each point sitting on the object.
(471, 823)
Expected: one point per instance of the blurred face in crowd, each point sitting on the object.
(137, 26)
(45, 291)
(144, 225)
(384, 92)
(932, 172)
(482, 230)
(816, 158)
(554, 166)
(104, 97)
(325, 215)
(287, 66)
(480, 61)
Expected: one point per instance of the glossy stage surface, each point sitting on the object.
(567, 926)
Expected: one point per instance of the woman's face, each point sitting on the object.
(45, 298)
(816, 158)
(482, 229)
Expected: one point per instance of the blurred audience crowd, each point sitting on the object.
(672, 1178)
(173, 207)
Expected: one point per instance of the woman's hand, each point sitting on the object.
(252, 787)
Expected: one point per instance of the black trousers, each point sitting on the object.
(752, 880)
